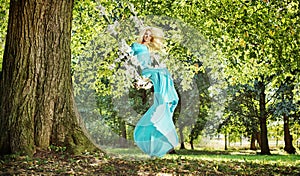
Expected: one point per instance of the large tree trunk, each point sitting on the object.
(37, 105)
(263, 119)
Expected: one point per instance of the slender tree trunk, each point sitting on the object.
(191, 143)
(193, 136)
(288, 139)
(252, 143)
(123, 129)
(181, 138)
(226, 147)
(258, 138)
(241, 140)
(263, 120)
(228, 140)
(144, 96)
(297, 143)
(37, 107)
(123, 138)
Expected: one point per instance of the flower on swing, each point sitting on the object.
(124, 48)
(143, 83)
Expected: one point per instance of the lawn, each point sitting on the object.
(131, 162)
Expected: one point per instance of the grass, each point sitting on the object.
(240, 156)
(217, 155)
(133, 162)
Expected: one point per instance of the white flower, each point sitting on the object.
(134, 61)
(124, 47)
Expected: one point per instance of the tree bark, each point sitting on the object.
(181, 138)
(255, 136)
(225, 137)
(193, 135)
(123, 133)
(252, 142)
(37, 107)
(263, 120)
(258, 138)
(191, 143)
(288, 139)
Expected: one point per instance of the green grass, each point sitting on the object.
(277, 157)
(133, 162)
(219, 162)
(240, 156)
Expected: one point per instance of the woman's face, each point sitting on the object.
(147, 36)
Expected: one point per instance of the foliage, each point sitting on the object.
(241, 113)
(3, 26)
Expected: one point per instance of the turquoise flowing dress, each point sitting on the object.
(155, 132)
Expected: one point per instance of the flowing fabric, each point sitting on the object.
(155, 132)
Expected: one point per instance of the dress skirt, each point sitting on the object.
(155, 133)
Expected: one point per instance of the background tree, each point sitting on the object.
(285, 107)
(242, 112)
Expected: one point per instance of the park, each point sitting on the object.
(69, 100)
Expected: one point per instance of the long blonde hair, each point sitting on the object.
(156, 42)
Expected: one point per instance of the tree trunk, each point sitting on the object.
(228, 139)
(241, 140)
(255, 136)
(123, 138)
(37, 107)
(191, 143)
(181, 138)
(258, 138)
(225, 137)
(193, 135)
(288, 139)
(252, 143)
(263, 120)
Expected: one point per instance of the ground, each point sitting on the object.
(200, 163)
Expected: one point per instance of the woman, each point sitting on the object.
(155, 132)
